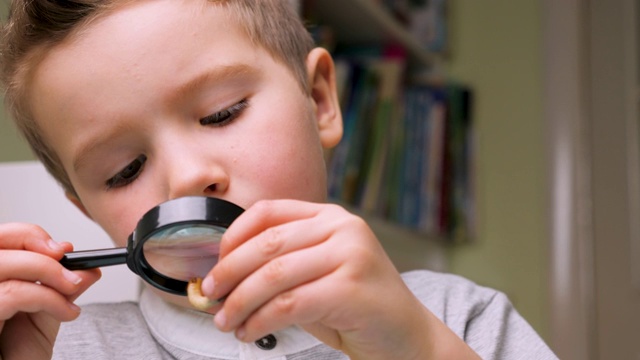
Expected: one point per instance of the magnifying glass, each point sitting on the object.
(171, 244)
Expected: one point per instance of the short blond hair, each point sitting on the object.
(35, 26)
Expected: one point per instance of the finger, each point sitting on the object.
(89, 277)
(262, 215)
(66, 246)
(263, 247)
(34, 267)
(276, 277)
(29, 237)
(21, 296)
(306, 305)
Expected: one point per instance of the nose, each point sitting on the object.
(192, 173)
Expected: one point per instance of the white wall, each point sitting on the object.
(29, 194)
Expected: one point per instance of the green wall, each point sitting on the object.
(496, 49)
(12, 146)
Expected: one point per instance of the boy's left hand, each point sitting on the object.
(287, 262)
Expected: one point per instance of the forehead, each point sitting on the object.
(127, 65)
(125, 38)
(140, 51)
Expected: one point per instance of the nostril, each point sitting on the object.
(212, 188)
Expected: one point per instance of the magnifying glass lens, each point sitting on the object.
(183, 252)
(171, 244)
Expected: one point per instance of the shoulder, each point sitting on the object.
(108, 315)
(483, 317)
(443, 293)
(104, 331)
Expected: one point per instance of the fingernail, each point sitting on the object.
(74, 307)
(72, 277)
(54, 245)
(208, 285)
(241, 333)
(220, 319)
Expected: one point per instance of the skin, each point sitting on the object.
(117, 91)
(30, 314)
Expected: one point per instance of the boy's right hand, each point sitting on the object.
(36, 292)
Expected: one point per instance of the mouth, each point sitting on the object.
(183, 261)
(193, 247)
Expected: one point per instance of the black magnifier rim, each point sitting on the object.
(191, 210)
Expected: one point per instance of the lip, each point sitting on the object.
(183, 260)
(179, 250)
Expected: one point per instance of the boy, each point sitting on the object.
(132, 103)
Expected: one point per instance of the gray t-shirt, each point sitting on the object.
(153, 329)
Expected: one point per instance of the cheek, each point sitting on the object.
(290, 164)
(117, 218)
(119, 225)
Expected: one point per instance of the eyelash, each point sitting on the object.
(219, 119)
(225, 116)
(124, 177)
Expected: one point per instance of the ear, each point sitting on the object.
(76, 201)
(322, 80)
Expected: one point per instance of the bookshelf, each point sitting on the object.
(408, 249)
(367, 23)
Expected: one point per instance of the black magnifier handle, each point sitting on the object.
(90, 259)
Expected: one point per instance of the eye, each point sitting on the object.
(225, 116)
(128, 174)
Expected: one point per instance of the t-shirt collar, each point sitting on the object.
(194, 332)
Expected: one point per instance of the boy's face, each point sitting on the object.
(124, 102)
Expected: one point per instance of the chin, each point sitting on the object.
(181, 301)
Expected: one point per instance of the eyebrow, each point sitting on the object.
(85, 150)
(221, 74)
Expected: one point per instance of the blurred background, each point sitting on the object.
(550, 177)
